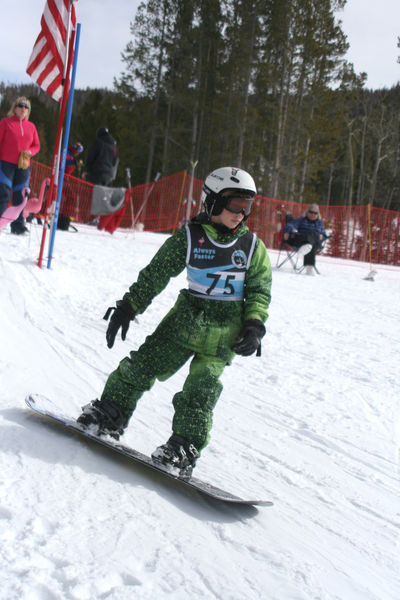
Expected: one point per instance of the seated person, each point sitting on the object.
(306, 230)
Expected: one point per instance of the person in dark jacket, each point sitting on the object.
(102, 159)
(222, 313)
(308, 229)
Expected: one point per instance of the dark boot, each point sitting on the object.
(18, 228)
(103, 418)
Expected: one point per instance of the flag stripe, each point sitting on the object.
(52, 22)
(46, 63)
(54, 14)
(57, 49)
(48, 73)
(38, 54)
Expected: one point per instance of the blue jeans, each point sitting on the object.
(12, 178)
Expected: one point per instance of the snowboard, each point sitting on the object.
(43, 406)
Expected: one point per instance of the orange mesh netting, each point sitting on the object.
(163, 206)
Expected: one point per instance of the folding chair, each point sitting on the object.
(292, 254)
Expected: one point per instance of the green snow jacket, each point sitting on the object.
(170, 261)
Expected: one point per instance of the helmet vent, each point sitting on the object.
(235, 179)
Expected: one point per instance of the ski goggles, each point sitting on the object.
(239, 205)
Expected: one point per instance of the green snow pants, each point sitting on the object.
(185, 332)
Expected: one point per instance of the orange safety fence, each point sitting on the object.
(163, 206)
(76, 199)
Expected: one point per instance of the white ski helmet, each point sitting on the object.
(221, 180)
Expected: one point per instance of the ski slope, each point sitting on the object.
(313, 425)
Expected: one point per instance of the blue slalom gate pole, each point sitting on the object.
(65, 146)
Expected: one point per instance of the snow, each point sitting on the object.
(312, 425)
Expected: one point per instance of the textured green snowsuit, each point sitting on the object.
(195, 327)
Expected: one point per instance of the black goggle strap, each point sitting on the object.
(209, 204)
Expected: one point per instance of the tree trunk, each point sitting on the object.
(360, 184)
(243, 124)
(156, 100)
(351, 163)
(166, 138)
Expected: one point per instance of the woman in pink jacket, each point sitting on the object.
(19, 141)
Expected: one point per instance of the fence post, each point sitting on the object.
(369, 235)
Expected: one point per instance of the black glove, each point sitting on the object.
(250, 337)
(123, 315)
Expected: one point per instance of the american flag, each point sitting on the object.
(46, 64)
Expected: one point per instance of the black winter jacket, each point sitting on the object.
(102, 159)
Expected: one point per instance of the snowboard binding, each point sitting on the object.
(178, 454)
(103, 418)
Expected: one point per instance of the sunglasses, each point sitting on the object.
(312, 212)
(239, 205)
(20, 105)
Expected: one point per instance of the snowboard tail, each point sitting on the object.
(43, 406)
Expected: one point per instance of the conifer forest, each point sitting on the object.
(263, 85)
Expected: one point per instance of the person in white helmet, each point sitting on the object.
(220, 314)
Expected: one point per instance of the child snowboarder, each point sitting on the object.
(221, 313)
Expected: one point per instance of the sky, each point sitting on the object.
(372, 29)
(313, 424)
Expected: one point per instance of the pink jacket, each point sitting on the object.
(15, 136)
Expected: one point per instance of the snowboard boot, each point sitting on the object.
(178, 453)
(103, 418)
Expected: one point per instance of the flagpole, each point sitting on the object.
(69, 45)
(66, 89)
(65, 146)
(65, 81)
